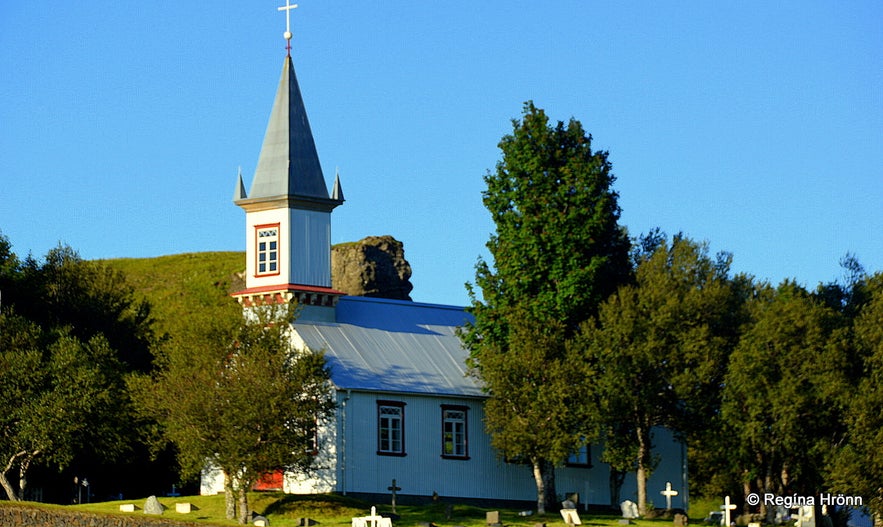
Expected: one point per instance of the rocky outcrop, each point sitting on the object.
(374, 266)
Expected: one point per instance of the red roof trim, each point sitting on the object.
(288, 287)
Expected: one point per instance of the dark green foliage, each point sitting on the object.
(70, 330)
(858, 467)
(558, 251)
(657, 352)
(59, 394)
(783, 397)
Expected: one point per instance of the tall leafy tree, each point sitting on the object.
(236, 396)
(558, 251)
(657, 351)
(71, 330)
(784, 388)
(858, 469)
(59, 393)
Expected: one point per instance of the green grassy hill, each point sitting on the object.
(177, 284)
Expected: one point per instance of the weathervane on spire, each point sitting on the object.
(287, 8)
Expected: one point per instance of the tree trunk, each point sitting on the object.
(549, 484)
(23, 473)
(617, 478)
(7, 486)
(4, 480)
(244, 514)
(229, 498)
(642, 470)
(537, 465)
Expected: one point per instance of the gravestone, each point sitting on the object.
(183, 508)
(629, 509)
(806, 516)
(127, 507)
(727, 507)
(668, 493)
(306, 522)
(570, 516)
(373, 520)
(259, 521)
(153, 506)
(493, 518)
(681, 520)
(393, 488)
(714, 518)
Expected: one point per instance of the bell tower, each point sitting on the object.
(288, 209)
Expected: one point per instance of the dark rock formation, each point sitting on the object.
(374, 266)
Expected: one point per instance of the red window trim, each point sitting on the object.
(258, 228)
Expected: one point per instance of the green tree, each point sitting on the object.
(657, 351)
(784, 389)
(235, 396)
(90, 298)
(858, 469)
(557, 252)
(59, 394)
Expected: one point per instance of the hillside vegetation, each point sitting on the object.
(177, 284)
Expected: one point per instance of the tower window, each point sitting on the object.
(267, 253)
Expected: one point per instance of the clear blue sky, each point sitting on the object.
(755, 126)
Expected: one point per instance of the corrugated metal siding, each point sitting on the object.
(310, 256)
(423, 470)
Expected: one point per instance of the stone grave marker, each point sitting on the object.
(571, 517)
(153, 506)
(629, 509)
(493, 518)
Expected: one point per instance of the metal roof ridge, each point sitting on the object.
(379, 300)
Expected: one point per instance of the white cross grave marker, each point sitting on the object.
(668, 493)
(374, 519)
(727, 507)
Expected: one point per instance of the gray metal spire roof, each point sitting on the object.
(288, 164)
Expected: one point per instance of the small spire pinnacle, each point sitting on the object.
(337, 190)
(287, 8)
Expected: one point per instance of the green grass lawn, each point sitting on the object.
(338, 511)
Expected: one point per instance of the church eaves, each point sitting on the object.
(288, 166)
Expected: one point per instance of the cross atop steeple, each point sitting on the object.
(287, 8)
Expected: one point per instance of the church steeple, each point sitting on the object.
(288, 210)
(288, 166)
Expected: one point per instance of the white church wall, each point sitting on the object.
(423, 470)
(322, 477)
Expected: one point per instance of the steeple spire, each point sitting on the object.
(288, 209)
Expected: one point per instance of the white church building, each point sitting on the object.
(407, 410)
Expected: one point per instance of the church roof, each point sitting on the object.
(288, 165)
(394, 346)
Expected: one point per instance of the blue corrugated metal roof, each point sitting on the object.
(394, 346)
